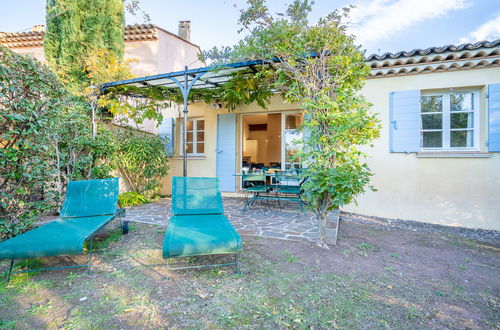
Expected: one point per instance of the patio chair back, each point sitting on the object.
(254, 177)
(196, 196)
(284, 179)
(90, 198)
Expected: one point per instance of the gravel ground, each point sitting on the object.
(483, 235)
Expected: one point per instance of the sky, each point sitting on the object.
(379, 25)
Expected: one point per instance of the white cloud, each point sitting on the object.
(381, 19)
(487, 31)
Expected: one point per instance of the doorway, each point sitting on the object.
(269, 141)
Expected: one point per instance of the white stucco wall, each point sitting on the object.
(144, 55)
(449, 191)
(174, 53)
(36, 52)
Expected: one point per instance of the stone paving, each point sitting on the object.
(259, 220)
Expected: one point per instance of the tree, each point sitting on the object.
(79, 154)
(77, 28)
(141, 159)
(321, 68)
(31, 99)
(101, 66)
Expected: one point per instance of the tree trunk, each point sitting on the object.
(322, 229)
(59, 174)
(127, 177)
(94, 126)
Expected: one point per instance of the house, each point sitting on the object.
(153, 49)
(437, 159)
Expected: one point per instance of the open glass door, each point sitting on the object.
(292, 135)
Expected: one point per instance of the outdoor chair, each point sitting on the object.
(198, 226)
(253, 184)
(88, 206)
(288, 188)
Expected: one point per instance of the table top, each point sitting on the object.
(267, 173)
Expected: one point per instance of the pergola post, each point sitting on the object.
(184, 137)
(185, 89)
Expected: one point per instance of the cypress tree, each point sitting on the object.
(76, 28)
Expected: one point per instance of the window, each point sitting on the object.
(292, 135)
(449, 121)
(195, 141)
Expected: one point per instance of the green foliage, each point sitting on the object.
(365, 246)
(320, 67)
(142, 160)
(75, 29)
(48, 135)
(80, 156)
(31, 99)
(45, 141)
(131, 198)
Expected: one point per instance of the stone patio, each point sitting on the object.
(259, 220)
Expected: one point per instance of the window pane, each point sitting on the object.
(200, 136)
(462, 120)
(200, 124)
(293, 121)
(432, 139)
(200, 148)
(189, 137)
(292, 147)
(432, 103)
(461, 102)
(190, 125)
(189, 148)
(460, 139)
(432, 121)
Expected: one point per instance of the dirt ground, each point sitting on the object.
(374, 278)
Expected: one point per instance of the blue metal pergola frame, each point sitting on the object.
(200, 78)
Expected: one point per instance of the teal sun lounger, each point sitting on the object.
(88, 206)
(198, 225)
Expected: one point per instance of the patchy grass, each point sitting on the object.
(403, 284)
(289, 257)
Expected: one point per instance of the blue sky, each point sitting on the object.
(380, 25)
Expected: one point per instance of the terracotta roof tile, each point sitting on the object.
(35, 38)
(435, 50)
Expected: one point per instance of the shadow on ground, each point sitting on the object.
(374, 278)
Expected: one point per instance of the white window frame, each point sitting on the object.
(195, 137)
(283, 142)
(446, 123)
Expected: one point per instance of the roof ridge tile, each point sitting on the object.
(437, 50)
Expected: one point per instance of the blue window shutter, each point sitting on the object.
(494, 118)
(404, 125)
(167, 130)
(226, 151)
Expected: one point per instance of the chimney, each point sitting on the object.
(184, 30)
(38, 28)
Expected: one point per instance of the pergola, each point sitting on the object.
(200, 78)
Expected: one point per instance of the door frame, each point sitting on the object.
(239, 136)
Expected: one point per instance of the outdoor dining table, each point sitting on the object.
(274, 191)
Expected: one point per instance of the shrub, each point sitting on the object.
(131, 198)
(45, 140)
(31, 99)
(142, 160)
(81, 156)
